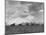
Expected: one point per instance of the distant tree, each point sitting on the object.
(20, 24)
(27, 24)
(12, 24)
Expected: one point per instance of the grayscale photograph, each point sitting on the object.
(24, 17)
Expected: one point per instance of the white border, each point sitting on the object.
(2, 17)
(30, 0)
(2, 26)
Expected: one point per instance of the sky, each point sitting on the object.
(19, 12)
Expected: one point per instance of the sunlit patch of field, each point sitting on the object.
(22, 29)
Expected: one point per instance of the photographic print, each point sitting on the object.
(23, 17)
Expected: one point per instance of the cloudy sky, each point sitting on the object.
(22, 11)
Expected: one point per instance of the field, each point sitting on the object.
(23, 29)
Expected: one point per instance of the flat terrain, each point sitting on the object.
(22, 29)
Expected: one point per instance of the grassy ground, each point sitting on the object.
(22, 29)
